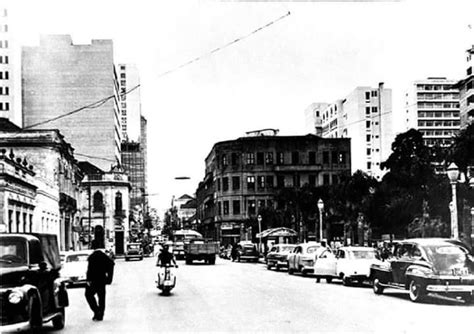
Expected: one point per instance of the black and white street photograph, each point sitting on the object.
(237, 166)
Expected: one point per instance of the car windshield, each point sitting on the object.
(445, 257)
(312, 249)
(362, 254)
(77, 258)
(287, 248)
(12, 252)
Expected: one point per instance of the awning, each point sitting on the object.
(277, 232)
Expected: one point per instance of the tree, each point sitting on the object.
(462, 150)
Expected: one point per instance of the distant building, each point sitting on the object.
(60, 77)
(466, 90)
(144, 148)
(6, 68)
(313, 120)
(133, 164)
(105, 203)
(365, 116)
(243, 176)
(432, 107)
(130, 103)
(57, 179)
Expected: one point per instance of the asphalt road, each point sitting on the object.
(246, 297)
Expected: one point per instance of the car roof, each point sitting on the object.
(428, 241)
(357, 248)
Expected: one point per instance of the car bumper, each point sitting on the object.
(17, 327)
(308, 268)
(450, 288)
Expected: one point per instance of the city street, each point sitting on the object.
(246, 297)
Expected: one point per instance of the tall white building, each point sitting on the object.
(6, 68)
(130, 103)
(432, 107)
(466, 90)
(364, 116)
(312, 116)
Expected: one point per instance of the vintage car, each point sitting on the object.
(302, 258)
(74, 267)
(347, 263)
(427, 266)
(247, 251)
(134, 251)
(278, 256)
(31, 290)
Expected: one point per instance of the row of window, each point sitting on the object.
(438, 123)
(267, 158)
(437, 96)
(4, 75)
(438, 114)
(4, 90)
(431, 105)
(441, 142)
(4, 60)
(4, 106)
(437, 133)
(434, 87)
(223, 207)
(369, 123)
(3, 44)
(370, 94)
(374, 110)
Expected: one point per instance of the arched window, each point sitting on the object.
(98, 201)
(118, 201)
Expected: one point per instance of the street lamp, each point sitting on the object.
(453, 174)
(320, 208)
(259, 219)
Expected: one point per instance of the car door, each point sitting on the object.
(325, 264)
(294, 257)
(401, 262)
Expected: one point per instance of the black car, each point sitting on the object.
(427, 266)
(247, 251)
(31, 291)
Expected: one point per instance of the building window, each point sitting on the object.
(369, 165)
(374, 93)
(98, 202)
(374, 109)
(368, 151)
(226, 207)
(224, 160)
(295, 158)
(225, 183)
(261, 204)
(325, 157)
(261, 182)
(280, 158)
(219, 208)
(118, 201)
(122, 75)
(368, 138)
(235, 159)
(235, 183)
(269, 182)
(269, 203)
(296, 181)
(218, 184)
(236, 207)
(335, 179)
(312, 158)
(123, 82)
(250, 158)
(334, 157)
(259, 158)
(251, 182)
(280, 181)
(251, 207)
(367, 95)
(269, 158)
(367, 110)
(367, 124)
(312, 180)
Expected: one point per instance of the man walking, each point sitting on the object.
(99, 273)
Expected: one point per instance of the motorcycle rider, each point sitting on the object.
(165, 257)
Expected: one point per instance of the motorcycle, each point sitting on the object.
(166, 279)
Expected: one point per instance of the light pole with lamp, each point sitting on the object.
(259, 219)
(320, 208)
(453, 174)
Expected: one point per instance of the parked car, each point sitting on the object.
(31, 291)
(74, 267)
(134, 251)
(247, 251)
(427, 266)
(347, 263)
(278, 256)
(302, 258)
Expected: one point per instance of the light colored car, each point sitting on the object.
(278, 255)
(347, 263)
(302, 257)
(74, 267)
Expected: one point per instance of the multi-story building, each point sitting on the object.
(466, 91)
(365, 116)
(144, 150)
(130, 103)
(432, 107)
(243, 176)
(6, 68)
(105, 203)
(57, 179)
(133, 164)
(313, 120)
(80, 81)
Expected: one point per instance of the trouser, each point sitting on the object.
(91, 291)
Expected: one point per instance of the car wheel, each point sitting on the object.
(290, 271)
(277, 267)
(304, 272)
(60, 320)
(126, 259)
(467, 298)
(346, 281)
(329, 280)
(378, 288)
(269, 266)
(416, 291)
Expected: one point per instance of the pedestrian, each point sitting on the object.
(100, 271)
(234, 253)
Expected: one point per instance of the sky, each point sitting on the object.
(319, 53)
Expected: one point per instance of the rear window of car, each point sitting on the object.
(362, 254)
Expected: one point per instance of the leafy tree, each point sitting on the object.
(462, 150)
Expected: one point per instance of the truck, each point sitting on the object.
(180, 238)
(200, 249)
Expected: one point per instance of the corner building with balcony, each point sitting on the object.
(466, 91)
(244, 175)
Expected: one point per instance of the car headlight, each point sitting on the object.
(15, 297)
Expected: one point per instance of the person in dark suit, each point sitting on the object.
(99, 273)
